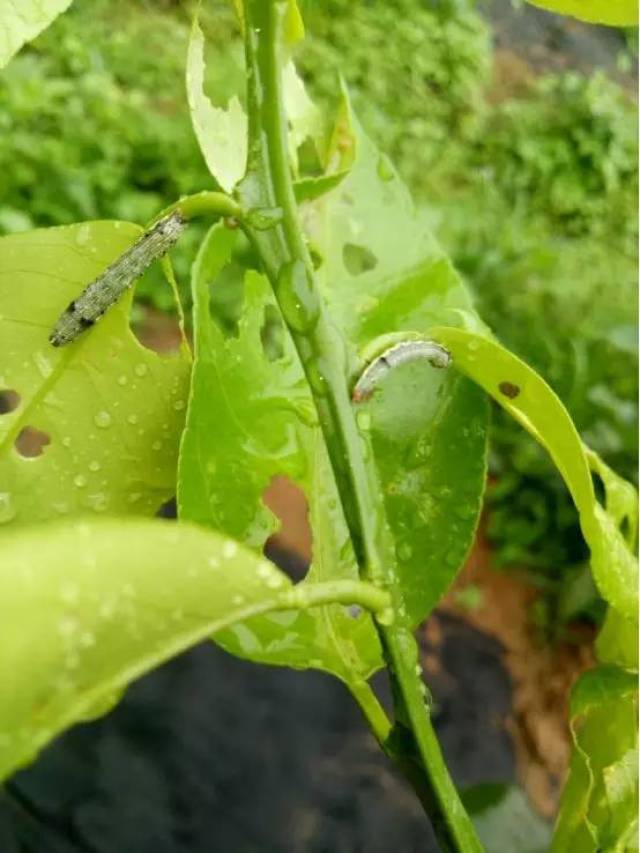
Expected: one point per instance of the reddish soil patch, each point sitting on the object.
(542, 673)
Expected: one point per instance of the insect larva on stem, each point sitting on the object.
(108, 287)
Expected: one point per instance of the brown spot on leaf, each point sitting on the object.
(509, 390)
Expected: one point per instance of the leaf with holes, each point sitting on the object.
(88, 607)
(221, 134)
(251, 418)
(94, 426)
(381, 271)
(23, 20)
(598, 810)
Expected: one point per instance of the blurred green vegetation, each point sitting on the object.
(531, 187)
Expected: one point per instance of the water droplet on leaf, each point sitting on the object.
(102, 419)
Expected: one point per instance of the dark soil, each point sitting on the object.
(210, 754)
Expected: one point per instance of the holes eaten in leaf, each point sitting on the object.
(272, 333)
(9, 401)
(31, 442)
(226, 299)
(291, 546)
(358, 259)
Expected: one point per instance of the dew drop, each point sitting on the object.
(43, 364)
(66, 441)
(178, 405)
(98, 502)
(67, 626)
(122, 380)
(132, 419)
(385, 169)
(87, 639)
(156, 445)
(83, 236)
(364, 420)
(80, 481)
(405, 551)
(263, 571)
(141, 369)
(230, 549)
(94, 465)
(69, 592)
(238, 600)
(102, 419)
(7, 510)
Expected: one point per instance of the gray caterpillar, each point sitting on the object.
(105, 290)
(400, 353)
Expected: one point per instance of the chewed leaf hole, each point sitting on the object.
(358, 259)
(31, 442)
(291, 546)
(9, 401)
(272, 333)
(155, 330)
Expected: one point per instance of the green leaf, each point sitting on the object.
(111, 410)
(88, 607)
(338, 158)
(617, 642)
(303, 116)
(249, 420)
(383, 272)
(22, 20)
(221, 134)
(620, 13)
(599, 802)
(528, 398)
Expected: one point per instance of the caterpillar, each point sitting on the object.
(400, 353)
(109, 286)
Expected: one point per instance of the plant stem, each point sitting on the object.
(321, 348)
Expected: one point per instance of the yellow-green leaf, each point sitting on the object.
(88, 607)
(221, 134)
(108, 410)
(22, 20)
(528, 398)
(620, 13)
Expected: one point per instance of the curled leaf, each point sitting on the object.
(528, 398)
(619, 13)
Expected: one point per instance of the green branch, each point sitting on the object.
(412, 743)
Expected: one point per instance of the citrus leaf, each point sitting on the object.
(221, 134)
(599, 800)
(620, 13)
(528, 398)
(106, 412)
(382, 272)
(251, 419)
(337, 159)
(88, 607)
(22, 20)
